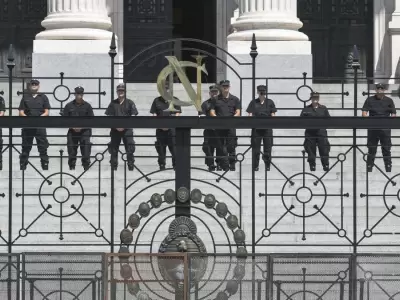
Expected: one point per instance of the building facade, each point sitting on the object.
(333, 27)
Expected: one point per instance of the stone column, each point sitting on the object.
(394, 31)
(76, 20)
(271, 20)
(76, 42)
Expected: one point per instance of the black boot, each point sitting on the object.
(211, 168)
(45, 165)
(312, 166)
(23, 165)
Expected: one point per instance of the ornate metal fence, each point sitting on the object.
(289, 208)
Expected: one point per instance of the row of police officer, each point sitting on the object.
(222, 142)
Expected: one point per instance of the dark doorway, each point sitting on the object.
(333, 27)
(20, 21)
(152, 21)
(196, 20)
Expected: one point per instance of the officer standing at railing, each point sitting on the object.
(165, 136)
(78, 136)
(122, 107)
(2, 110)
(377, 106)
(34, 104)
(227, 105)
(316, 137)
(210, 140)
(262, 107)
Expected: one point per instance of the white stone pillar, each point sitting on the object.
(394, 30)
(271, 20)
(76, 20)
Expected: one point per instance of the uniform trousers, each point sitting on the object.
(40, 135)
(165, 138)
(209, 146)
(226, 148)
(384, 137)
(81, 139)
(127, 138)
(266, 137)
(314, 138)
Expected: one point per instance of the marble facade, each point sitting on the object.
(93, 19)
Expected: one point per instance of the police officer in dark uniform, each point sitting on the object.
(122, 107)
(165, 136)
(227, 105)
(2, 110)
(209, 144)
(262, 107)
(316, 137)
(377, 106)
(79, 136)
(34, 104)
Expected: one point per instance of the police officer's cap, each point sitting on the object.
(213, 88)
(380, 86)
(314, 95)
(79, 90)
(225, 82)
(121, 87)
(35, 81)
(261, 88)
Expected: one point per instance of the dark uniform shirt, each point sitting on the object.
(2, 104)
(75, 109)
(126, 109)
(206, 107)
(226, 107)
(160, 105)
(258, 109)
(319, 111)
(34, 106)
(379, 107)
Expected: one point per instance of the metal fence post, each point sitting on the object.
(356, 67)
(112, 53)
(253, 54)
(10, 66)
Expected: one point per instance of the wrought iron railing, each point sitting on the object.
(343, 209)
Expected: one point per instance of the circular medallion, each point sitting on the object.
(309, 199)
(66, 194)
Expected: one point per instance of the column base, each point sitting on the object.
(268, 35)
(74, 34)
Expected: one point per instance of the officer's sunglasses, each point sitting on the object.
(34, 84)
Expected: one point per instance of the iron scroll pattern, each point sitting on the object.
(62, 195)
(303, 196)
